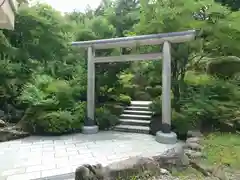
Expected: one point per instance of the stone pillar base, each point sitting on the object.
(90, 129)
(166, 138)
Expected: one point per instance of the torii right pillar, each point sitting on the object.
(165, 136)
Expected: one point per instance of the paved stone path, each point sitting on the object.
(36, 157)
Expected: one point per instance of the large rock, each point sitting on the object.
(2, 123)
(90, 172)
(205, 170)
(11, 133)
(194, 146)
(226, 66)
(194, 133)
(131, 166)
(193, 155)
(193, 140)
(174, 158)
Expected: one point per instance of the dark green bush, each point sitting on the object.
(156, 106)
(180, 122)
(57, 122)
(114, 108)
(105, 118)
(154, 91)
(79, 110)
(124, 99)
(205, 103)
(52, 108)
(142, 96)
(44, 120)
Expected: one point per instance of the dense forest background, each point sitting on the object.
(43, 79)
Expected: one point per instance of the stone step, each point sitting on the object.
(134, 122)
(135, 116)
(137, 112)
(133, 129)
(137, 108)
(141, 103)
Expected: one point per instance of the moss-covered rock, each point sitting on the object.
(154, 91)
(224, 66)
(142, 96)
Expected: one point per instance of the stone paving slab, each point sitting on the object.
(39, 157)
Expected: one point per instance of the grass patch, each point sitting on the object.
(145, 175)
(222, 149)
(187, 174)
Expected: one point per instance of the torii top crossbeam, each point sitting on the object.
(153, 39)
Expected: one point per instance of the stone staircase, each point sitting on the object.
(135, 118)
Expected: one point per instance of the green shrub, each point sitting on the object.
(52, 108)
(43, 120)
(57, 122)
(156, 106)
(114, 108)
(62, 91)
(142, 95)
(124, 99)
(44, 88)
(204, 104)
(180, 122)
(126, 81)
(105, 118)
(198, 79)
(154, 91)
(79, 110)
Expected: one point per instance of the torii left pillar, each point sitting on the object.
(90, 125)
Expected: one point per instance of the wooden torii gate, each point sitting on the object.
(165, 135)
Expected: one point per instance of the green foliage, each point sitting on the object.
(45, 89)
(222, 149)
(142, 95)
(57, 122)
(126, 81)
(52, 106)
(124, 99)
(105, 118)
(154, 91)
(156, 106)
(42, 120)
(233, 4)
(205, 103)
(102, 28)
